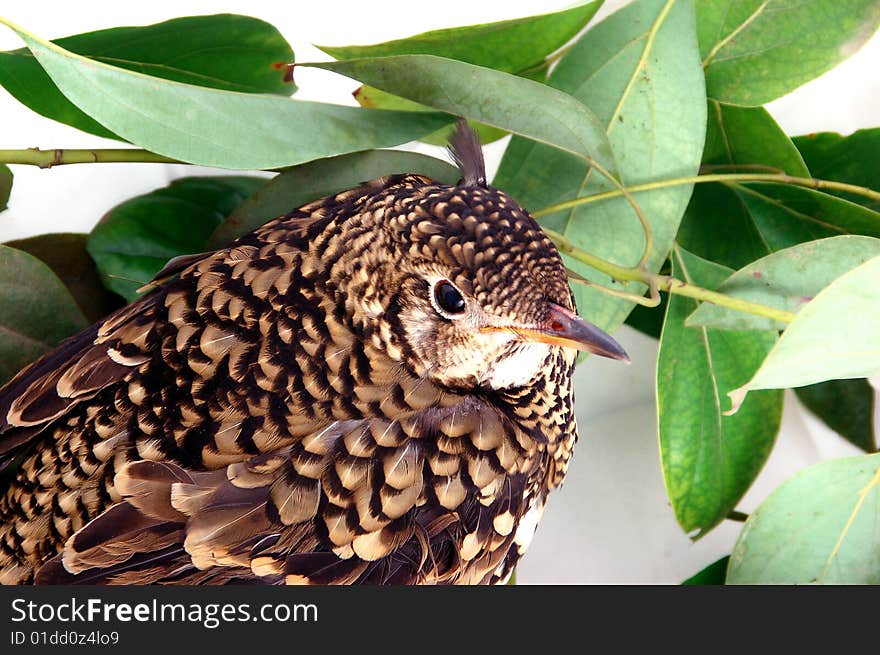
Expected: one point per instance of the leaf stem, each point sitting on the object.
(639, 299)
(657, 281)
(809, 182)
(734, 515)
(57, 157)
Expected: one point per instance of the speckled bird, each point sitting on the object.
(375, 388)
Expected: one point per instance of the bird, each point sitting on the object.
(374, 388)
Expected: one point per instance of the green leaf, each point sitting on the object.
(845, 406)
(302, 184)
(737, 223)
(511, 45)
(499, 99)
(5, 186)
(649, 320)
(538, 73)
(853, 159)
(373, 98)
(709, 459)
(717, 224)
(38, 312)
(639, 71)
(748, 136)
(819, 527)
(517, 46)
(713, 574)
(212, 127)
(227, 51)
(786, 279)
(137, 238)
(780, 216)
(757, 50)
(835, 337)
(66, 255)
(785, 215)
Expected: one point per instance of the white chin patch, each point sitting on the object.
(520, 368)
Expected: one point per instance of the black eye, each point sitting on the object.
(448, 299)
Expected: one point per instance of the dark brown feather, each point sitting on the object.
(173, 267)
(55, 360)
(466, 152)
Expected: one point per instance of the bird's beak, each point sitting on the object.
(565, 328)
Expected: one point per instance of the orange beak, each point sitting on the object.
(565, 328)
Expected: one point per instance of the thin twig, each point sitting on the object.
(809, 182)
(58, 157)
(658, 282)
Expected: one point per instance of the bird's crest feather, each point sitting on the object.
(466, 152)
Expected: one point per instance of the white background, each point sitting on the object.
(611, 522)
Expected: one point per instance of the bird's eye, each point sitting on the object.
(448, 299)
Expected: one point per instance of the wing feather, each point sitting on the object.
(77, 370)
(307, 513)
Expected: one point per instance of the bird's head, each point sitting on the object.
(462, 285)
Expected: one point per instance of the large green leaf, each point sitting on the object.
(137, 238)
(639, 71)
(38, 312)
(781, 215)
(819, 527)
(737, 223)
(757, 50)
(227, 51)
(785, 215)
(511, 45)
(307, 182)
(845, 406)
(854, 159)
(717, 224)
(499, 99)
(220, 128)
(713, 574)
(514, 46)
(66, 255)
(835, 337)
(709, 460)
(5, 186)
(370, 97)
(787, 279)
(748, 136)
